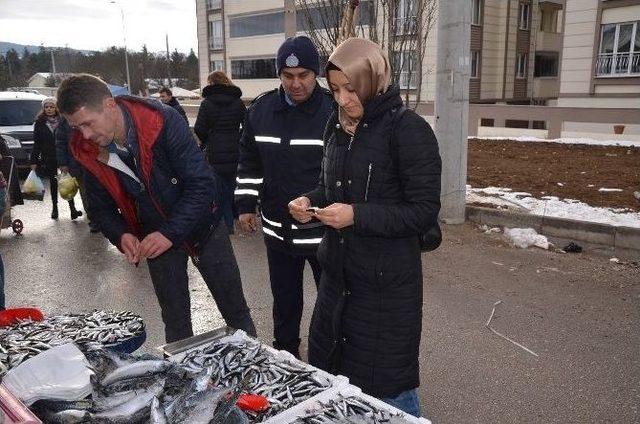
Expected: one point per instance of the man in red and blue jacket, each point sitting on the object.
(154, 197)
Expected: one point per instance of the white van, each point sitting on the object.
(18, 111)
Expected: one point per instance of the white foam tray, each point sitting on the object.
(299, 410)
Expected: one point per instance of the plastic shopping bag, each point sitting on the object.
(33, 187)
(67, 186)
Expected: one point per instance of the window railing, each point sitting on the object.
(407, 25)
(214, 4)
(618, 64)
(216, 43)
(408, 80)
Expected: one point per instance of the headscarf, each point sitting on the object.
(51, 121)
(367, 68)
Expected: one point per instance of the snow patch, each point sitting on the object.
(566, 140)
(609, 190)
(526, 237)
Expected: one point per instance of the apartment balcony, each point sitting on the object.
(549, 41)
(214, 4)
(546, 87)
(216, 43)
(618, 65)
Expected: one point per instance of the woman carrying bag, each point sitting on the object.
(379, 191)
(43, 156)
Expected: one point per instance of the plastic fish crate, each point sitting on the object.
(313, 404)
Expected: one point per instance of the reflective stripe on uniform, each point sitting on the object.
(306, 142)
(272, 223)
(307, 241)
(271, 233)
(249, 180)
(246, 191)
(267, 139)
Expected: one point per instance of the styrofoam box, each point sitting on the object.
(309, 405)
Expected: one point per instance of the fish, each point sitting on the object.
(158, 415)
(136, 370)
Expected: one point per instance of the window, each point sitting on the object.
(523, 16)
(406, 17)
(548, 20)
(546, 65)
(405, 66)
(19, 112)
(216, 65)
(476, 12)
(216, 40)
(521, 66)
(253, 68)
(326, 16)
(264, 24)
(475, 64)
(619, 53)
(214, 4)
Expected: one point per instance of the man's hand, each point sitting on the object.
(154, 245)
(337, 215)
(64, 169)
(248, 222)
(298, 209)
(130, 245)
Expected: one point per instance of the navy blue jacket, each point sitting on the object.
(171, 166)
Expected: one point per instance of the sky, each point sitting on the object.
(97, 24)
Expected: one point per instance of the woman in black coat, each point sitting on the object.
(379, 190)
(218, 127)
(43, 155)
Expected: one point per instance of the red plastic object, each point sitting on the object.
(253, 403)
(12, 411)
(11, 316)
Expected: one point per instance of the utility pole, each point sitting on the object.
(124, 37)
(168, 61)
(53, 63)
(452, 104)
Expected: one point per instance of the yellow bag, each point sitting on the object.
(67, 186)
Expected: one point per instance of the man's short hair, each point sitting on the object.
(166, 90)
(82, 90)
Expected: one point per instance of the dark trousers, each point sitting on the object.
(228, 186)
(286, 274)
(218, 268)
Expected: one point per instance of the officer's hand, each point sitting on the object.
(130, 245)
(248, 222)
(337, 215)
(298, 209)
(154, 245)
(64, 169)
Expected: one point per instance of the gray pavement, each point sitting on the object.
(579, 313)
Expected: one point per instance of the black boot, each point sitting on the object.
(74, 212)
(54, 211)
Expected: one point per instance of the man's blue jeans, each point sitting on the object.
(406, 401)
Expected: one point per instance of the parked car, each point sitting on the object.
(18, 111)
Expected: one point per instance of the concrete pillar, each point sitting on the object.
(290, 24)
(452, 104)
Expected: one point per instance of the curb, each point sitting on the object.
(589, 232)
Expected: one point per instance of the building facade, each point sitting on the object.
(543, 52)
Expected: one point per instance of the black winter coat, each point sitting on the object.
(218, 126)
(44, 148)
(174, 103)
(367, 319)
(280, 155)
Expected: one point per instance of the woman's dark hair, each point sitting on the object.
(332, 67)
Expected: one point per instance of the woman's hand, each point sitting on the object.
(298, 209)
(337, 215)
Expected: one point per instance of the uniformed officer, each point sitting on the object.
(280, 156)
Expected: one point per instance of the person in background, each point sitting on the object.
(43, 155)
(67, 164)
(280, 155)
(154, 197)
(379, 190)
(166, 97)
(218, 126)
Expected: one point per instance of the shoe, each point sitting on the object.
(54, 212)
(75, 214)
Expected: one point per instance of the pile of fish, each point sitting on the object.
(349, 410)
(28, 338)
(144, 389)
(283, 384)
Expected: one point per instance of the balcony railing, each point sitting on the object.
(407, 25)
(216, 43)
(214, 4)
(618, 64)
(408, 80)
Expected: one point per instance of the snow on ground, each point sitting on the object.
(591, 141)
(526, 237)
(551, 206)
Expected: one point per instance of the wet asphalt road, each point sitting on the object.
(579, 313)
